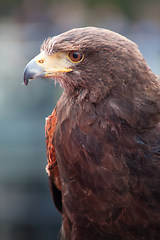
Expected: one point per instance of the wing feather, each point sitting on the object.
(52, 166)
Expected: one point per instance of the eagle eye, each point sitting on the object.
(75, 56)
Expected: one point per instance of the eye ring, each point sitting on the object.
(75, 56)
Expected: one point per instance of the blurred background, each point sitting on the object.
(26, 208)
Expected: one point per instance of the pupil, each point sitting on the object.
(75, 55)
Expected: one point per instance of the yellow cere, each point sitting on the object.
(56, 63)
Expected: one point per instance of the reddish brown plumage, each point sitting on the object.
(103, 140)
(52, 167)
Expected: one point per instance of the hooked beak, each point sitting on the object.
(44, 65)
(33, 71)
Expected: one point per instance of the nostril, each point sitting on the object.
(41, 61)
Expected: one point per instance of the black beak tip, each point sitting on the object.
(26, 80)
(32, 71)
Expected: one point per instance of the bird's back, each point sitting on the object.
(110, 174)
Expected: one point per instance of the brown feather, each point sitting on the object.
(103, 140)
(52, 166)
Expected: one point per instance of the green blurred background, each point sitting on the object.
(26, 208)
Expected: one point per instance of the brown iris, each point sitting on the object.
(75, 56)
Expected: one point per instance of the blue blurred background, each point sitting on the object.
(26, 208)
